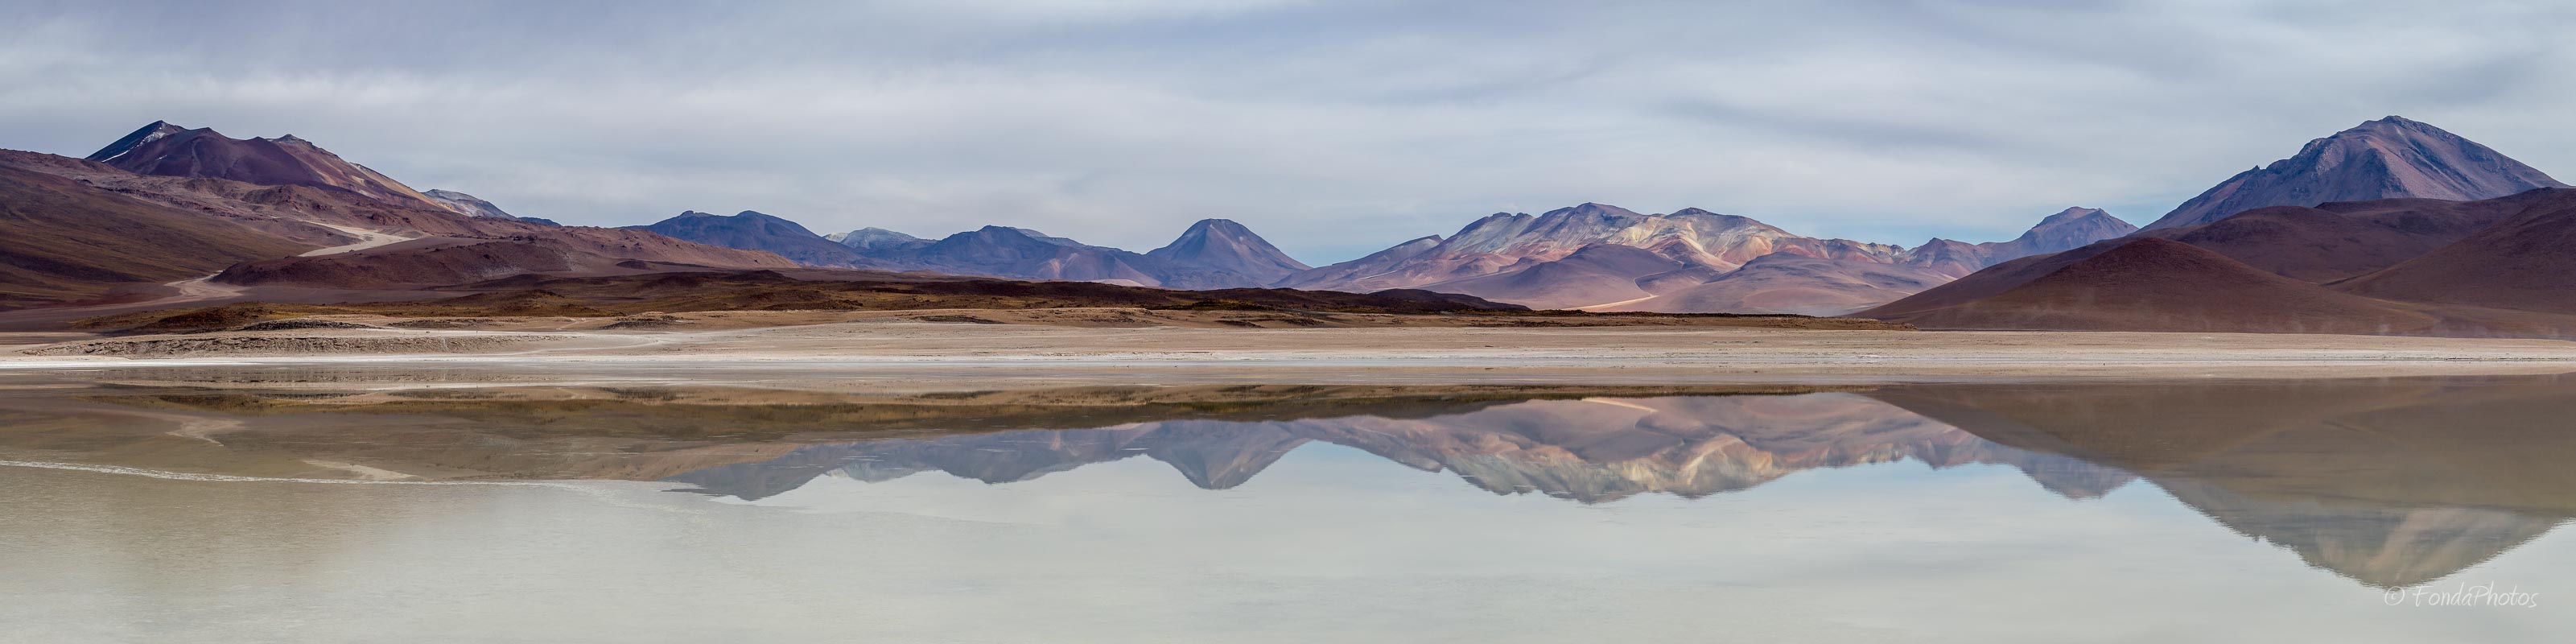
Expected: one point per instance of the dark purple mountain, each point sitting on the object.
(2384, 159)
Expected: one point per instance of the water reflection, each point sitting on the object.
(1591, 450)
(2390, 483)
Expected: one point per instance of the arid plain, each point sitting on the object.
(984, 349)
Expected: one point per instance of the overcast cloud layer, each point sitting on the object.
(1334, 129)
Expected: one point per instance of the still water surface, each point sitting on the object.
(2193, 511)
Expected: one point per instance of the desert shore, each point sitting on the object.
(902, 352)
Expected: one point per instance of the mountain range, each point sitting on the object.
(1587, 256)
(1606, 258)
(1697, 261)
(1211, 254)
(2393, 226)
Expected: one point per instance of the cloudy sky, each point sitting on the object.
(1333, 128)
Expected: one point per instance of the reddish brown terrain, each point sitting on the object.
(1794, 284)
(2152, 284)
(60, 240)
(309, 214)
(662, 290)
(2524, 263)
(1993, 280)
(2488, 267)
(2321, 245)
(433, 262)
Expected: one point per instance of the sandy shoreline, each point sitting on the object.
(907, 353)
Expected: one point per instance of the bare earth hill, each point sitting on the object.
(433, 262)
(2525, 263)
(2152, 284)
(60, 240)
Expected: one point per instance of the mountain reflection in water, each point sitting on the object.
(2391, 483)
(1590, 450)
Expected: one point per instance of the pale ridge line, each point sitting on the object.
(1611, 304)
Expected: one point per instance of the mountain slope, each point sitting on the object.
(755, 231)
(424, 263)
(306, 216)
(1989, 282)
(2388, 158)
(60, 240)
(168, 150)
(472, 206)
(321, 216)
(2524, 263)
(1504, 241)
(1500, 255)
(2154, 284)
(2331, 242)
(1949, 257)
(2068, 229)
(1793, 284)
(1497, 257)
(1222, 245)
(2341, 240)
(1364, 268)
(1212, 254)
(1594, 275)
(1003, 251)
